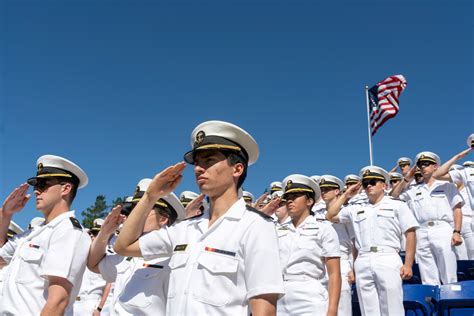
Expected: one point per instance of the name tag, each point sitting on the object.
(180, 247)
(360, 212)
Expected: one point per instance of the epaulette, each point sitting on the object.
(75, 223)
(251, 209)
(195, 216)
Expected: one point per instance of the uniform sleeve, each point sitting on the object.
(453, 195)
(263, 273)
(329, 242)
(8, 249)
(157, 243)
(108, 267)
(458, 177)
(67, 253)
(345, 214)
(406, 218)
(404, 196)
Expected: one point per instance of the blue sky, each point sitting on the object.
(118, 86)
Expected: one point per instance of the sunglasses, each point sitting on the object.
(394, 181)
(42, 184)
(403, 165)
(372, 182)
(424, 164)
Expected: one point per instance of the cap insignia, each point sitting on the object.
(199, 138)
(366, 172)
(422, 156)
(183, 198)
(322, 180)
(137, 190)
(40, 167)
(289, 184)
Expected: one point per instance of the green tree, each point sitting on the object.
(117, 201)
(98, 210)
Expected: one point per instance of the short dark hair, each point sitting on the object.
(233, 159)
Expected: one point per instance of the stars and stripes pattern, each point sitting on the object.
(383, 100)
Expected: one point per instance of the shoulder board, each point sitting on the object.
(251, 209)
(195, 216)
(75, 223)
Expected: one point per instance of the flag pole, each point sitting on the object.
(368, 124)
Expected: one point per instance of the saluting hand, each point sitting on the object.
(194, 207)
(406, 272)
(353, 190)
(16, 200)
(166, 181)
(272, 206)
(260, 200)
(112, 221)
(463, 153)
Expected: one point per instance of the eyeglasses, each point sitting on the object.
(372, 182)
(42, 184)
(424, 164)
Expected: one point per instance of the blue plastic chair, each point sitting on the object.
(465, 270)
(418, 299)
(456, 299)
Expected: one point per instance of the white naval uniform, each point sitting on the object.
(55, 249)
(89, 295)
(318, 208)
(140, 286)
(433, 209)
(378, 229)
(216, 270)
(345, 235)
(466, 177)
(302, 253)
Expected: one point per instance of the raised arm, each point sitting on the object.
(402, 185)
(99, 245)
(442, 173)
(334, 208)
(162, 184)
(14, 203)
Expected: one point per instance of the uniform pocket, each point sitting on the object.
(29, 266)
(308, 239)
(141, 289)
(177, 263)
(218, 275)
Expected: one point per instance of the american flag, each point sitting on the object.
(383, 100)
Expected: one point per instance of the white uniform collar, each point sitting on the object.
(58, 219)
(234, 212)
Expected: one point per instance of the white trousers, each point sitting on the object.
(345, 300)
(379, 285)
(468, 236)
(435, 255)
(307, 297)
(85, 306)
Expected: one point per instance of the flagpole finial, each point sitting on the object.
(366, 87)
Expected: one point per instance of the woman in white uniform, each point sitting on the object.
(309, 254)
(140, 286)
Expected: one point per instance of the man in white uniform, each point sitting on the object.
(46, 263)
(437, 208)
(225, 261)
(140, 285)
(378, 226)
